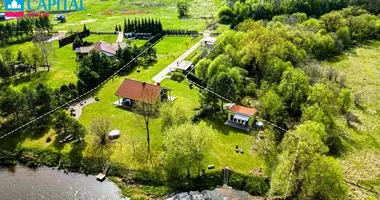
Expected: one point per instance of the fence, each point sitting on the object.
(104, 32)
(180, 32)
(154, 39)
(68, 40)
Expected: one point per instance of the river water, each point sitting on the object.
(22, 183)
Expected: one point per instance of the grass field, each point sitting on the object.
(62, 70)
(111, 13)
(133, 130)
(361, 162)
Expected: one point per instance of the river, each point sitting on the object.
(22, 183)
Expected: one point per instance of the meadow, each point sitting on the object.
(113, 12)
(361, 68)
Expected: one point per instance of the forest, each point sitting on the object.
(272, 65)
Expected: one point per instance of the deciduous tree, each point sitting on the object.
(101, 128)
(187, 146)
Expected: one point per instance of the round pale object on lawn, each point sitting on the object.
(114, 134)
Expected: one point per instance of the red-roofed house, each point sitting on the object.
(109, 49)
(241, 117)
(131, 91)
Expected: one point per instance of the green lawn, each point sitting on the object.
(109, 38)
(361, 67)
(168, 50)
(138, 43)
(132, 128)
(165, 10)
(62, 70)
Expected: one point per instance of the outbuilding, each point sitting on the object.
(241, 117)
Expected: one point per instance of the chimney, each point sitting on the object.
(143, 84)
(158, 83)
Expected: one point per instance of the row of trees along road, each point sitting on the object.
(22, 29)
(19, 107)
(240, 10)
(277, 63)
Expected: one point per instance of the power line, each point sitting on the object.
(264, 120)
(85, 94)
(208, 53)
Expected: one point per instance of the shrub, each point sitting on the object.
(177, 77)
(225, 15)
(254, 185)
(183, 9)
(7, 157)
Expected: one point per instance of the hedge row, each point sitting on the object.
(181, 32)
(68, 40)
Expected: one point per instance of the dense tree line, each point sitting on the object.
(23, 62)
(276, 62)
(19, 107)
(145, 25)
(236, 12)
(23, 28)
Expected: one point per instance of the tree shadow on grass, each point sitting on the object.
(39, 132)
(217, 123)
(340, 142)
(57, 145)
(96, 156)
(30, 78)
(344, 55)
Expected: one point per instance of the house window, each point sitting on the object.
(231, 117)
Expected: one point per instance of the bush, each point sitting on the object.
(204, 112)
(225, 15)
(183, 9)
(177, 77)
(254, 185)
(7, 158)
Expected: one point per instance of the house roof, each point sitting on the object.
(102, 46)
(135, 90)
(243, 110)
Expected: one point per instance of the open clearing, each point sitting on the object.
(361, 162)
(111, 13)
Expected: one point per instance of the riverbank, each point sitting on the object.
(145, 184)
(19, 182)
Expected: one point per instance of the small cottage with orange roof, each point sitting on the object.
(241, 117)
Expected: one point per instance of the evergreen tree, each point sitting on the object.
(135, 25)
(125, 26)
(159, 26)
(129, 26)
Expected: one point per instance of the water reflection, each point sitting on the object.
(18, 182)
